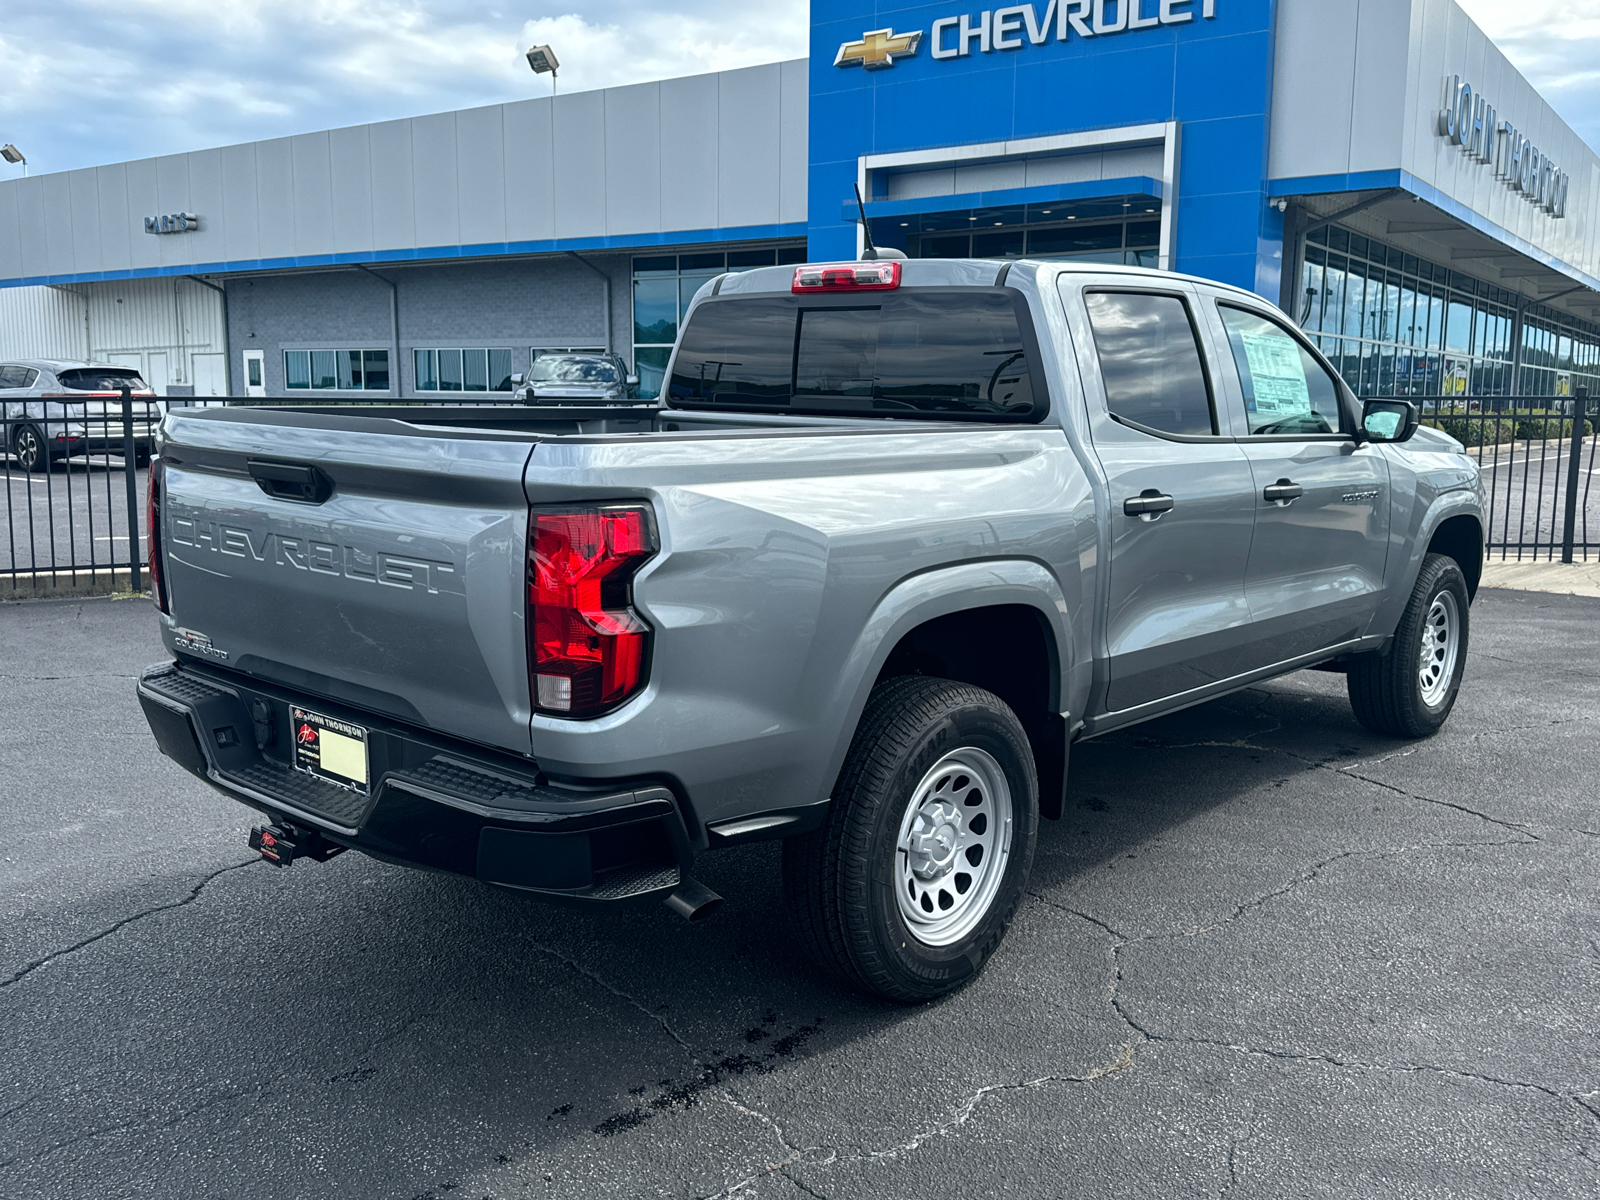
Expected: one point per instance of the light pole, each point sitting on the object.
(12, 155)
(542, 59)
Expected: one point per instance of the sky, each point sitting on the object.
(84, 82)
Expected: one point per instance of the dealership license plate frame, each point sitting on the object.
(326, 756)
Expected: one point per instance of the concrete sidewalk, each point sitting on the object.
(1570, 579)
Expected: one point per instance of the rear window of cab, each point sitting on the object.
(943, 353)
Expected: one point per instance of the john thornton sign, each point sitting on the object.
(1472, 123)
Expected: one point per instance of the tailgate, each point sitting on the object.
(401, 592)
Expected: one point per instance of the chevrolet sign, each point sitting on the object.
(1019, 25)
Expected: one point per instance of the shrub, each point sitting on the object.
(1490, 428)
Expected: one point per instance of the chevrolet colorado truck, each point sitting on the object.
(900, 535)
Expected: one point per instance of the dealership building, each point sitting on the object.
(1379, 170)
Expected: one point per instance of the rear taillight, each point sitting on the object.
(587, 647)
(152, 534)
(847, 277)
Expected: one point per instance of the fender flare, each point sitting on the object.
(1458, 502)
(922, 597)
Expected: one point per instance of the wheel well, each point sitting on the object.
(1007, 649)
(1462, 539)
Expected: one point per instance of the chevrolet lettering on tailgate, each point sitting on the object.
(311, 554)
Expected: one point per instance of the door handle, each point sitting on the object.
(1148, 505)
(1283, 492)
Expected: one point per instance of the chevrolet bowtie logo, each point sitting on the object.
(878, 49)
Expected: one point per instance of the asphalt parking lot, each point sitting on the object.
(1265, 955)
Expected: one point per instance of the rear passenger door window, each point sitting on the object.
(1286, 391)
(1151, 363)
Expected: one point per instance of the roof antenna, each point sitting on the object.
(869, 252)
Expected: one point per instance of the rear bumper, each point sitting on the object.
(106, 444)
(433, 803)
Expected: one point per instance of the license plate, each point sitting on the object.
(330, 749)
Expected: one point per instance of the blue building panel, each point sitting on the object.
(1211, 74)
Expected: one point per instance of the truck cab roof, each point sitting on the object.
(961, 272)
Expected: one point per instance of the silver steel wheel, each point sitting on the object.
(1441, 643)
(954, 843)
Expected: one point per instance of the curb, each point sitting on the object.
(67, 583)
(1570, 579)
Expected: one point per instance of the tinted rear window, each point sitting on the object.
(1150, 362)
(99, 379)
(948, 353)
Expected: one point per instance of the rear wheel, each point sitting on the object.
(32, 451)
(1409, 690)
(911, 882)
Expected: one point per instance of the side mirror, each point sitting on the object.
(1389, 420)
(516, 380)
(633, 381)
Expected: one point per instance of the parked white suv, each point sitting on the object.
(56, 408)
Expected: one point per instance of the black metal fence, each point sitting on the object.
(1538, 458)
(74, 474)
(75, 478)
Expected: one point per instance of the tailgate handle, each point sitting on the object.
(291, 481)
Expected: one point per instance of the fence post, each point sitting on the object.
(1569, 523)
(131, 476)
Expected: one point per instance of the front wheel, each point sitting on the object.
(1409, 690)
(912, 880)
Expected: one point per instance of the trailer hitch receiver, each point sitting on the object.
(280, 845)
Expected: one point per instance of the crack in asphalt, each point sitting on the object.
(1121, 942)
(816, 1195)
(16, 1108)
(968, 1105)
(194, 894)
(960, 1114)
(1349, 773)
(656, 1018)
(727, 1094)
(141, 1122)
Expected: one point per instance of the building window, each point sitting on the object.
(463, 370)
(1394, 324)
(336, 370)
(664, 284)
(1131, 243)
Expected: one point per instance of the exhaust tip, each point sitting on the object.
(693, 900)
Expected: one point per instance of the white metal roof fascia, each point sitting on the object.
(1094, 139)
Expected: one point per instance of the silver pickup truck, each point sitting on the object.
(902, 533)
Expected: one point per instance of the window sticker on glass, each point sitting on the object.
(1278, 375)
(1286, 390)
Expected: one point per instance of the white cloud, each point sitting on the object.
(1556, 45)
(90, 81)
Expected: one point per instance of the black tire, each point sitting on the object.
(1387, 690)
(842, 881)
(31, 450)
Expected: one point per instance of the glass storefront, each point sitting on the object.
(1131, 243)
(664, 284)
(1398, 325)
